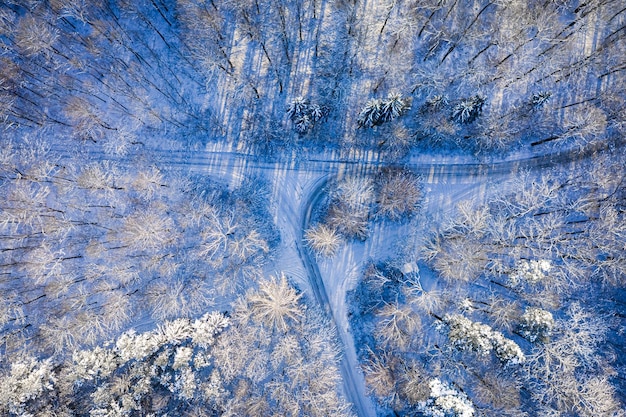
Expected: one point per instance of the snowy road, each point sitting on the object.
(227, 162)
(353, 382)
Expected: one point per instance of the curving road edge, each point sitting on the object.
(354, 389)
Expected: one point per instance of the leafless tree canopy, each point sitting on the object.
(524, 292)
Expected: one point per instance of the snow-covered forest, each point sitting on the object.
(312, 208)
(516, 301)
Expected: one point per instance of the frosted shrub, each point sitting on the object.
(536, 324)
(28, 379)
(465, 334)
(98, 362)
(445, 401)
(130, 345)
(532, 272)
(202, 331)
(507, 350)
(176, 331)
(206, 328)
(162, 357)
(214, 388)
(324, 240)
(182, 364)
(185, 384)
(182, 357)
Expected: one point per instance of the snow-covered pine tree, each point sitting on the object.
(468, 109)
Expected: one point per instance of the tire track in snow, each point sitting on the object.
(225, 162)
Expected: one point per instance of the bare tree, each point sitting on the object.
(148, 230)
(500, 391)
(379, 376)
(569, 372)
(354, 191)
(396, 326)
(350, 222)
(35, 36)
(178, 298)
(350, 204)
(276, 303)
(413, 384)
(398, 194)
